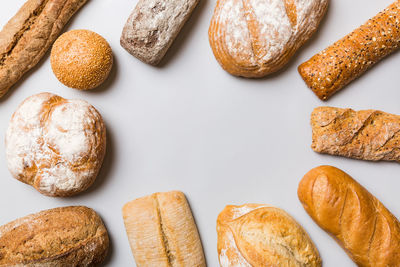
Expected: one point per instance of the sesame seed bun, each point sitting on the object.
(81, 59)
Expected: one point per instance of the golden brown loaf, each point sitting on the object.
(368, 232)
(253, 38)
(330, 70)
(28, 35)
(56, 145)
(366, 134)
(81, 59)
(61, 237)
(255, 235)
(162, 232)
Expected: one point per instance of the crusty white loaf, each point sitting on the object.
(56, 145)
(368, 232)
(255, 235)
(254, 38)
(162, 232)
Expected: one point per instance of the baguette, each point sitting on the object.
(69, 236)
(261, 235)
(153, 26)
(367, 134)
(162, 232)
(28, 35)
(360, 223)
(347, 59)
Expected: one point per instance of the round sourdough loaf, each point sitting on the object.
(254, 38)
(56, 145)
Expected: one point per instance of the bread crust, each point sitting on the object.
(162, 232)
(153, 26)
(367, 134)
(254, 38)
(358, 221)
(68, 236)
(28, 35)
(261, 235)
(335, 67)
(55, 145)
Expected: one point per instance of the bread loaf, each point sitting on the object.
(56, 145)
(153, 26)
(61, 237)
(162, 232)
(254, 235)
(366, 134)
(254, 38)
(332, 69)
(28, 35)
(368, 232)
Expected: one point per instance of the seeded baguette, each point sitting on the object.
(367, 134)
(28, 35)
(153, 26)
(332, 69)
(162, 232)
(68, 236)
(360, 223)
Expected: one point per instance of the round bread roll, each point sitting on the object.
(81, 59)
(254, 38)
(56, 145)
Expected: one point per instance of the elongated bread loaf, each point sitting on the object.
(153, 26)
(332, 69)
(255, 235)
(69, 236)
(28, 35)
(254, 38)
(366, 134)
(162, 232)
(360, 223)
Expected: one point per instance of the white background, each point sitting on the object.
(190, 126)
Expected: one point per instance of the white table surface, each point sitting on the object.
(190, 126)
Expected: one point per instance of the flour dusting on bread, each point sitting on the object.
(54, 144)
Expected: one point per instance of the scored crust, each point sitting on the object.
(56, 145)
(366, 134)
(253, 38)
(358, 221)
(27, 36)
(261, 235)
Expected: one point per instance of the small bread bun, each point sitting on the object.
(81, 59)
(55, 145)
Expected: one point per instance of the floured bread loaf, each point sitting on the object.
(162, 232)
(56, 145)
(254, 235)
(253, 38)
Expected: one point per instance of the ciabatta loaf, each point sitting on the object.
(162, 232)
